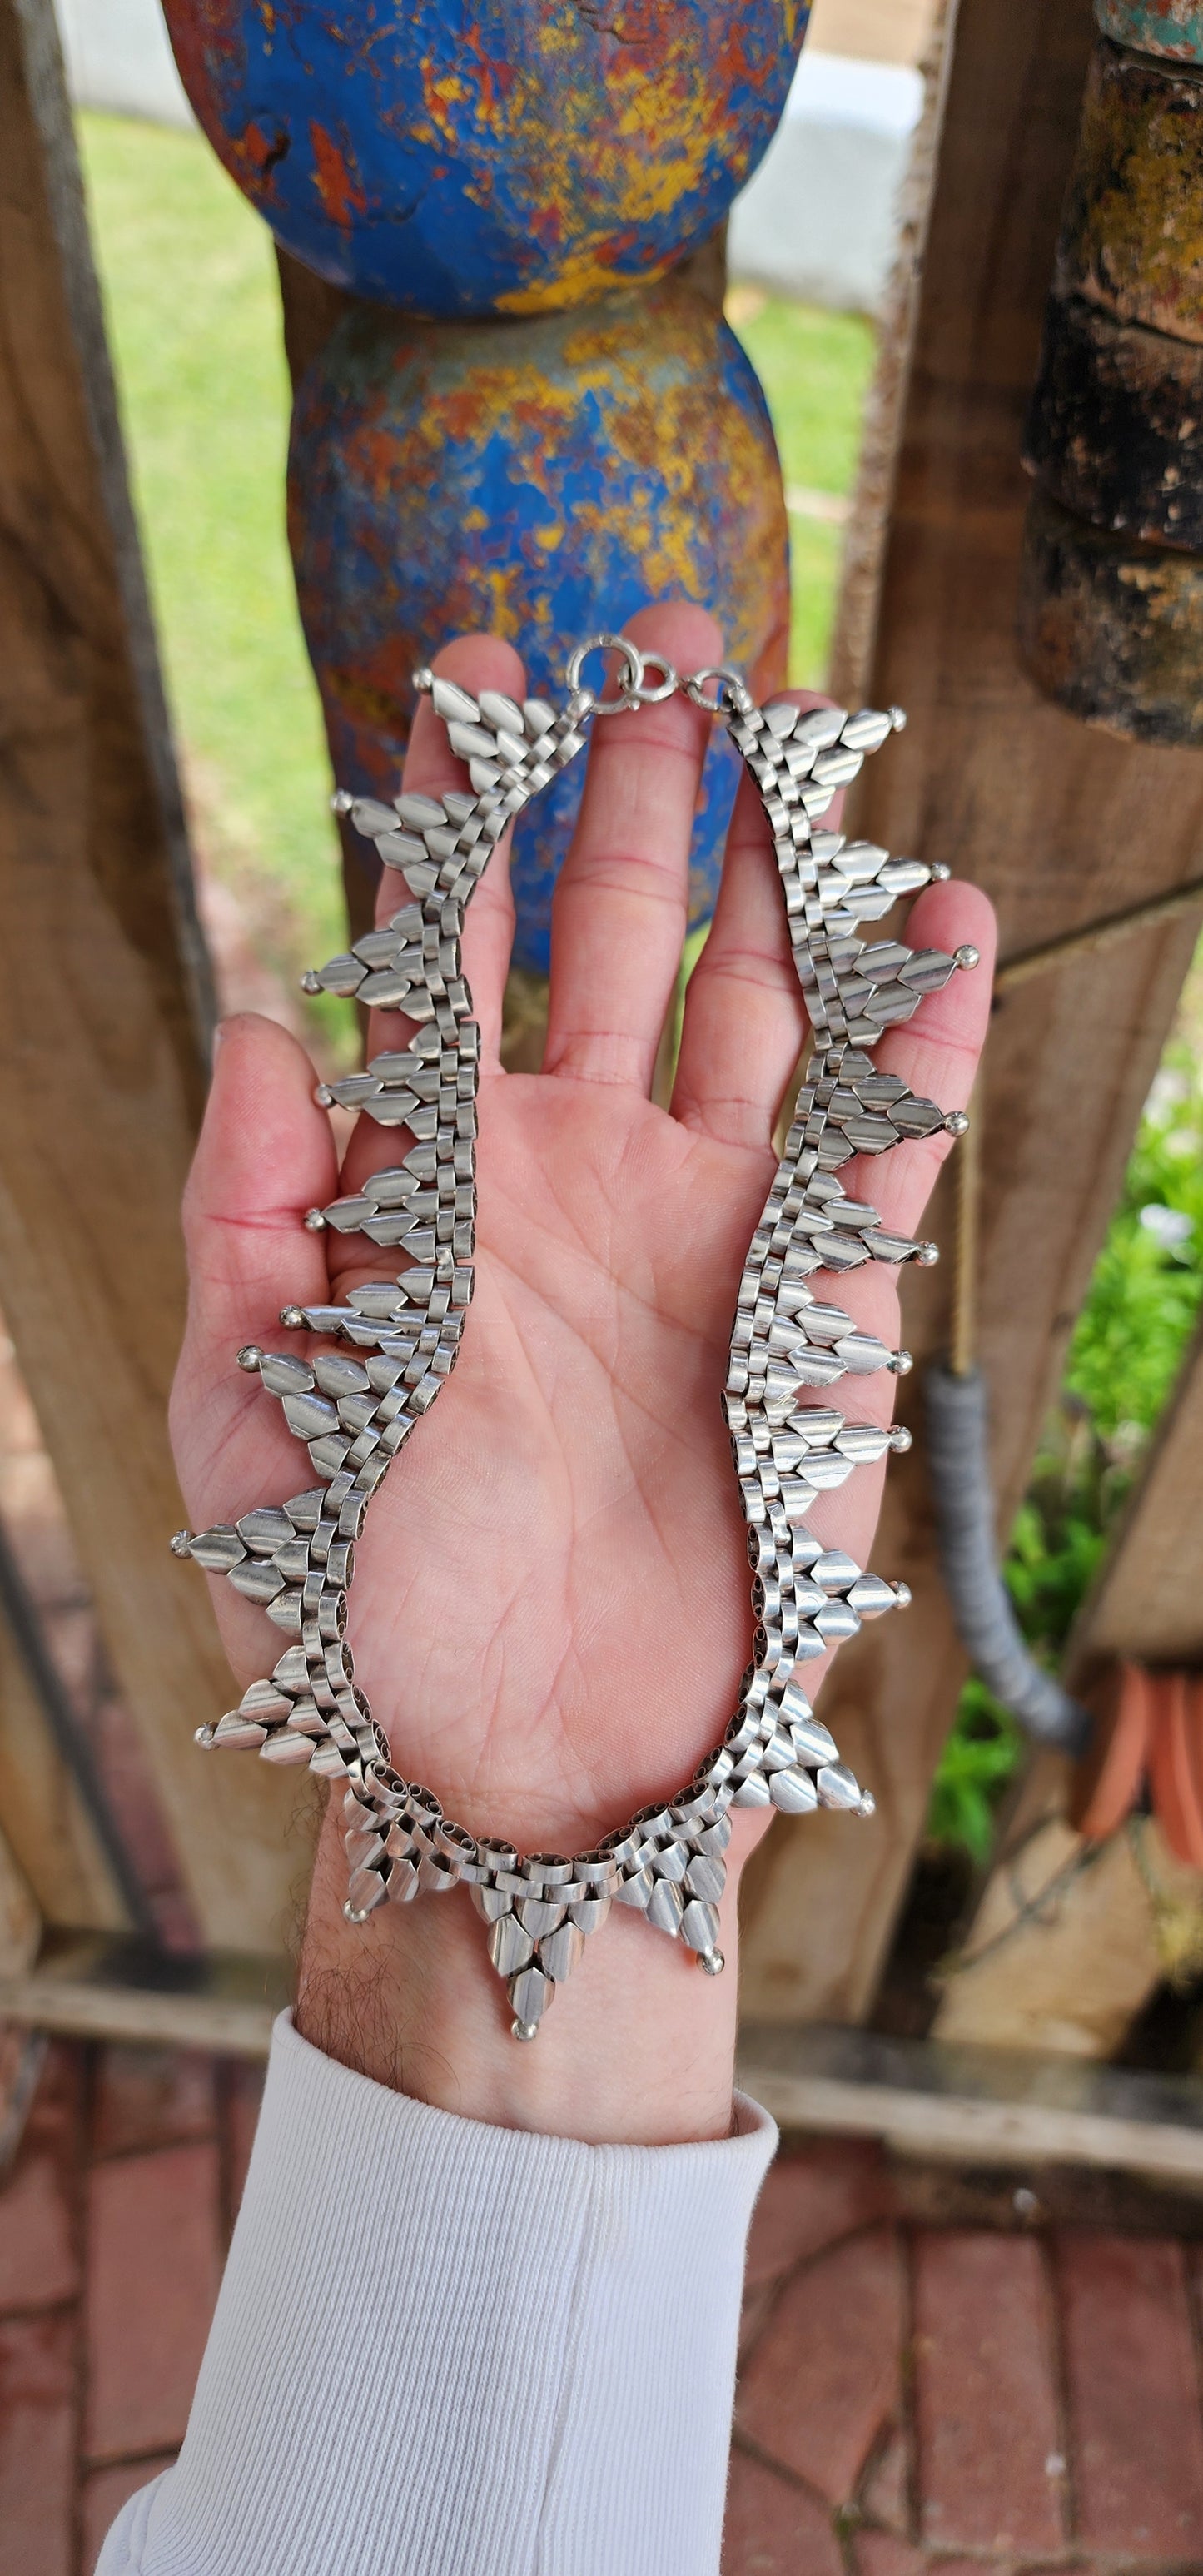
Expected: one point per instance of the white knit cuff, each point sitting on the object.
(456, 2349)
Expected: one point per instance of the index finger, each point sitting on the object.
(476, 662)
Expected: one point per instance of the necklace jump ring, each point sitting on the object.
(730, 688)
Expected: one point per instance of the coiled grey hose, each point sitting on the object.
(959, 1465)
(958, 1444)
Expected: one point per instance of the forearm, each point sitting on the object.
(638, 2049)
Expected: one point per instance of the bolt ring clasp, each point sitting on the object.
(667, 685)
(634, 687)
(630, 677)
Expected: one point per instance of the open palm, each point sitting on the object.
(551, 1607)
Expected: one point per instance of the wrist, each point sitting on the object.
(638, 2048)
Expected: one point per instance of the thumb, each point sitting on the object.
(265, 1155)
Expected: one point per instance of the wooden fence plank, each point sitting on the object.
(976, 2106)
(20, 1921)
(1059, 823)
(101, 1052)
(855, 631)
(92, 1988)
(1148, 1601)
(44, 1820)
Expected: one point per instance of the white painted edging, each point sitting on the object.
(819, 219)
(118, 56)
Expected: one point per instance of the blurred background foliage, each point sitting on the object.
(1143, 1301)
(193, 311)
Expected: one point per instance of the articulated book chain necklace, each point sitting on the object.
(789, 1344)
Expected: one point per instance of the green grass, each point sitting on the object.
(194, 323)
(815, 551)
(815, 368)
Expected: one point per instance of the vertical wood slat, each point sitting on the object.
(1147, 1603)
(1060, 823)
(863, 562)
(106, 1001)
(45, 1825)
(20, 1921)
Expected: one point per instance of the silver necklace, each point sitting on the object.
(789, 1345)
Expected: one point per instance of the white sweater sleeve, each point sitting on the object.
(458, 2350)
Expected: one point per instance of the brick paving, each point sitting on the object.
(115, 2214)
(926, 2400)
(915, 2399)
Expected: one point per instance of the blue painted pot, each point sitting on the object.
(505, 157)
(543, 480)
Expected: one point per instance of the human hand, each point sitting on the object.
(550, 1614)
